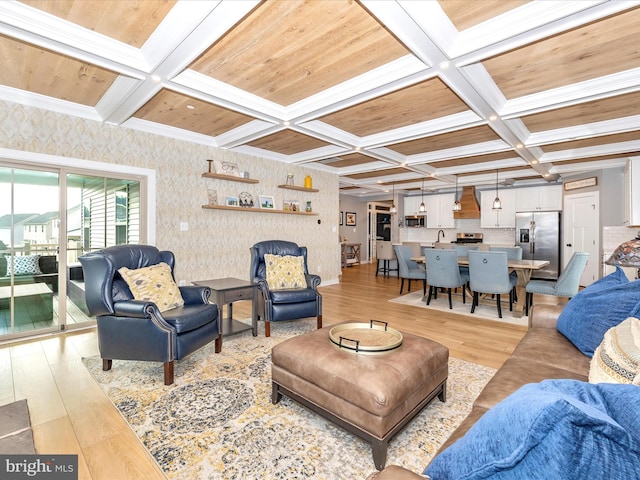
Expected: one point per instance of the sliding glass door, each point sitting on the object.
(41, 279)
(29, 242)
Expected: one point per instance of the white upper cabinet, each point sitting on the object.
(440, 210)
(632, 193)
(412, 204)
(539, 198)
(503, 218)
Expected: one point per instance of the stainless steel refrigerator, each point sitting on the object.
(538, 233)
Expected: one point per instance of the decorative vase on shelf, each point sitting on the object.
(308, 207)
(289, 180)
(308, 182)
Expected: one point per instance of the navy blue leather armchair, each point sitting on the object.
(130, 329)
(276, 305)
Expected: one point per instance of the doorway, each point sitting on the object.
(581, 232)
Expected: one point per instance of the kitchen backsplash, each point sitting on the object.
(493, 236)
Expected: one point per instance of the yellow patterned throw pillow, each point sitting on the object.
(617, 358)
(153, 284)
(285, 272)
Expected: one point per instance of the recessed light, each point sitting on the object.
(444, 65)
(156, 78)
(493, 118)
(191, 107)
(286, 124)
(357, 149)
(519, 145)
(534, 161)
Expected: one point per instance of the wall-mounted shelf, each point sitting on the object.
(230, 177)
(258, 210)
(300, 189)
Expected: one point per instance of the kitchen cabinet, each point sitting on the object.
(439, 210)
(503, 218)
(632, 193)
(412, 204)
(539, 198)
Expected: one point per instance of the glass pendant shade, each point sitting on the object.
(457, 206)
(422, 208)
(393, 208)
(627, 254)
(497, 204)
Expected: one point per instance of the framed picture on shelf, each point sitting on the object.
(212, 196)
(266, 201)
(232, 202)
(286, 205)
(351, 219)
(341, 218)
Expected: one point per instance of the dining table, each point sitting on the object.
(523, 268)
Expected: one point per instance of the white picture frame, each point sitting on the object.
(232, 202)
(266, 201)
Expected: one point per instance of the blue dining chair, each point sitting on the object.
(489, 273)
(409, 269)
(443, 272)
(463, 251)
(567, 285)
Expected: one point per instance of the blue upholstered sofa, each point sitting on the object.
(539, 417)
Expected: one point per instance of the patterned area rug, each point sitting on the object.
(486, 310)
(217, 420)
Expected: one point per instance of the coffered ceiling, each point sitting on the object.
(380, 92)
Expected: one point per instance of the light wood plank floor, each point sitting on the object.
(71, 415)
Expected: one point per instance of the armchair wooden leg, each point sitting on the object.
(106, 364)
(218, 344)
(267, 329)
(319, 322)
(168, 372)
(401, 285)
(499, 306)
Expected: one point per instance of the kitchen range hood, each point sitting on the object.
(470, 205)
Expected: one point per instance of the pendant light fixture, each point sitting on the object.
(422, 208)
(393, 200)
(497, 204)
(457, 206)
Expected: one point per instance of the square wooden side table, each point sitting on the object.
(225, 291)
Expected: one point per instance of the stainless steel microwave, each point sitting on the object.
(414, 221)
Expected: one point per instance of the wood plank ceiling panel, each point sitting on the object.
(595, 159)
(47, 73)
(583, 113)
(129, 21)
(288, 142)
(171, 108)
(465, 14)
(287, 51)
(592, 142)
(580, 54)
(476, 159)
(425, 101)
(350, 160)
(380, 173)
(458, 138)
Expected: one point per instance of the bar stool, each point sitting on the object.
(384, 252)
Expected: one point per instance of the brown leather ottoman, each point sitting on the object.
(372, 396)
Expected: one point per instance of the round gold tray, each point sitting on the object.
(366, 338)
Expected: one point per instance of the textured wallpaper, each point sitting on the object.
(217, 242)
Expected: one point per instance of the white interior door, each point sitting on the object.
(581, 227)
